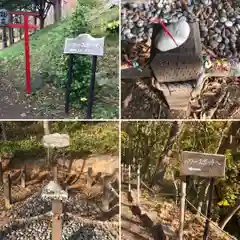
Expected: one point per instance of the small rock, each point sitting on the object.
(214, 44)
(228, 24)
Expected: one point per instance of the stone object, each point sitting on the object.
(180, 32)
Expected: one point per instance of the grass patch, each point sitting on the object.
(46, 49)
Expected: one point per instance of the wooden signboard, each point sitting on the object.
(4, 18)
(202, 164)
(84, 44)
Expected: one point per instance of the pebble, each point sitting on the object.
(216, 24)
(228, 24)
(41, 229)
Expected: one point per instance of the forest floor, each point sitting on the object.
(166, 212)
(47, 46)
(38, 176)
(217, 98)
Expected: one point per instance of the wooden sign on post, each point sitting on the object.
(202, 165)
(84, 44)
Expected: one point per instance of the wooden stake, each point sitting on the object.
(48, 156)
(89, 177)
(138, 184)
(122, 172)
(55, 174)
(57, 210)
(129, 178)
(7, 191)
(182, 208)
(1, 172)
(106, 195)
(209, 210)
(23, 176)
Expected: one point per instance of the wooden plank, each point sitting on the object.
(177, 94)
(202, 164)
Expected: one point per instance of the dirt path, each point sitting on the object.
(47, 103)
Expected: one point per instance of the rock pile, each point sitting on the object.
(219, 22)
(41, 229)
(35, 206)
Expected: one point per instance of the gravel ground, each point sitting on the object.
(74, 228)
(219, 22)
(41, 229)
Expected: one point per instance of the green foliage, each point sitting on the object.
(82, 64)
(21, 149)
(24, 138)
(111, 27)
(229, 187)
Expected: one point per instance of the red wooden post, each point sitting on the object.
(27, 55)
(26, 27)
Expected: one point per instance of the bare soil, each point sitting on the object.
(38, 175)
(167, 213)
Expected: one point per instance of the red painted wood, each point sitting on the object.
(25, 13)
(26, 26)
(18, 25)
(27, 55)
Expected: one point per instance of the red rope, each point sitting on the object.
(158, 20)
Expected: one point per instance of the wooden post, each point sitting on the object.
(7, 191)
(106, 195)
(23, 176)
(1, 172)
(129, 178)
(57, 210)
(138, 184)
(89, 177)
(48, 156)
(122, 172)
(55, 173)
(182, 207)
(209, 210)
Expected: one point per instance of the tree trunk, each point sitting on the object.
(230, 215)
(34, 18)
(4, 135)
(10, 31)
(42, 20)
(57, 11)
(175, 131)
(4, 37)
(21, 29)
(203, 198)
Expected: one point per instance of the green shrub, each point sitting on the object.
(82, 64)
